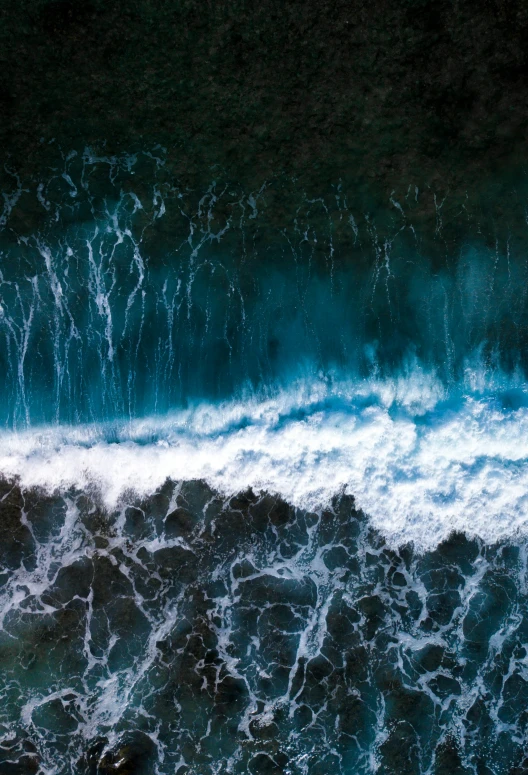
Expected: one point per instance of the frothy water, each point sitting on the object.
(193, 634)
(421, 461)
(263, 479)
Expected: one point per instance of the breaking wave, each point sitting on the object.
(422, 461)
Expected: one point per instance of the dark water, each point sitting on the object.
(360, 377)
(192, 634)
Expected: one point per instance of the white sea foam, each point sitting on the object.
(420, 462)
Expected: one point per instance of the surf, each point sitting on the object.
(420, 460)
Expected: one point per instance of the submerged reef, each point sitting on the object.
(189, 633)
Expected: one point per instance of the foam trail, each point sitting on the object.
(420, 462)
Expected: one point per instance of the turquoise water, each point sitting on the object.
(123, 296)
(264, 470)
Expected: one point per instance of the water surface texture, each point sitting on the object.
(264, 469)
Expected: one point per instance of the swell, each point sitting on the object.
(264, 472)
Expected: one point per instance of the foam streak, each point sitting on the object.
(419, 462)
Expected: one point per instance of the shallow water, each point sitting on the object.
(125, 296)
(191, 633)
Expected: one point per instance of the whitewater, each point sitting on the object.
(263, 477)
(422, 461)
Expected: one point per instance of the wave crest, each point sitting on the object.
(420, 461)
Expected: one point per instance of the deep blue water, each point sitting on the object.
(264, 479)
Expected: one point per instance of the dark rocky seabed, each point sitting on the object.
(186, 633)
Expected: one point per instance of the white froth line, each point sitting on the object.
(464, 470)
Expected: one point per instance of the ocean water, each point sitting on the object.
(264, 468)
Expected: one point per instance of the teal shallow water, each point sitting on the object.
(124, 296)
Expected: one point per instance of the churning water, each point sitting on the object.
(264, 495)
